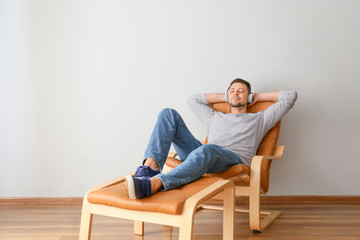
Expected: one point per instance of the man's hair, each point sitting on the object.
(240, 80)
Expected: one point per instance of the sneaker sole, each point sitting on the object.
(129, 183)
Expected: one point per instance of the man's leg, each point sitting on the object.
(169, 128)
(208, 158)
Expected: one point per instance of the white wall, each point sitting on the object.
(82, 83)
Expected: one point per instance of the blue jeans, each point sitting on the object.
(197, 159)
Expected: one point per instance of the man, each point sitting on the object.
(233, 138)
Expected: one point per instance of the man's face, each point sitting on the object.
(238, 95)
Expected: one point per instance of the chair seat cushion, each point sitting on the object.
(169, 202)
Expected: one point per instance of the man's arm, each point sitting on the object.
(215, 97)
(284, 101)
(266, 96)
(200, 106)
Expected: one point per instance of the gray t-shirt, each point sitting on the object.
(240, 133)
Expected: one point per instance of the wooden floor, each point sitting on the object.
(299, 221)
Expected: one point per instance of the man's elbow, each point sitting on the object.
(294, 95)
(288, 97)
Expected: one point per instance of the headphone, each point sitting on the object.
(250, 96)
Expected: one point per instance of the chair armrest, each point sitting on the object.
(255, 169)
(279, 151)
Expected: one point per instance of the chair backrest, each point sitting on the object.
(268, 144)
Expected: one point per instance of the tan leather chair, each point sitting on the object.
(249, 181)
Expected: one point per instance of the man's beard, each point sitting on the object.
(239, 105)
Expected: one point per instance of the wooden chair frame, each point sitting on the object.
(254, 191)
(184, 221)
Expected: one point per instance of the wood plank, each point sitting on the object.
(311, 221)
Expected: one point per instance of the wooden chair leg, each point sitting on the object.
(265, 222)
(167, 232)
(254, 194)
(139, 228)
(256, 224)
(270, 218)
(86, 221)
(254, 213)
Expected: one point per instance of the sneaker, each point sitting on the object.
(138, 187)
(146, 171)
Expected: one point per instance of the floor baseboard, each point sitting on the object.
(43, 200)
(311, 199)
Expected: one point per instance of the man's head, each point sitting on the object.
(238, 92)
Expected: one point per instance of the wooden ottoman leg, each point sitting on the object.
(191, 204)
(139, 228)
(229, 213)
(86, 221)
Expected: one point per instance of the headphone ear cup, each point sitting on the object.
(227, 95)
(250, 98)
(251, 95)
